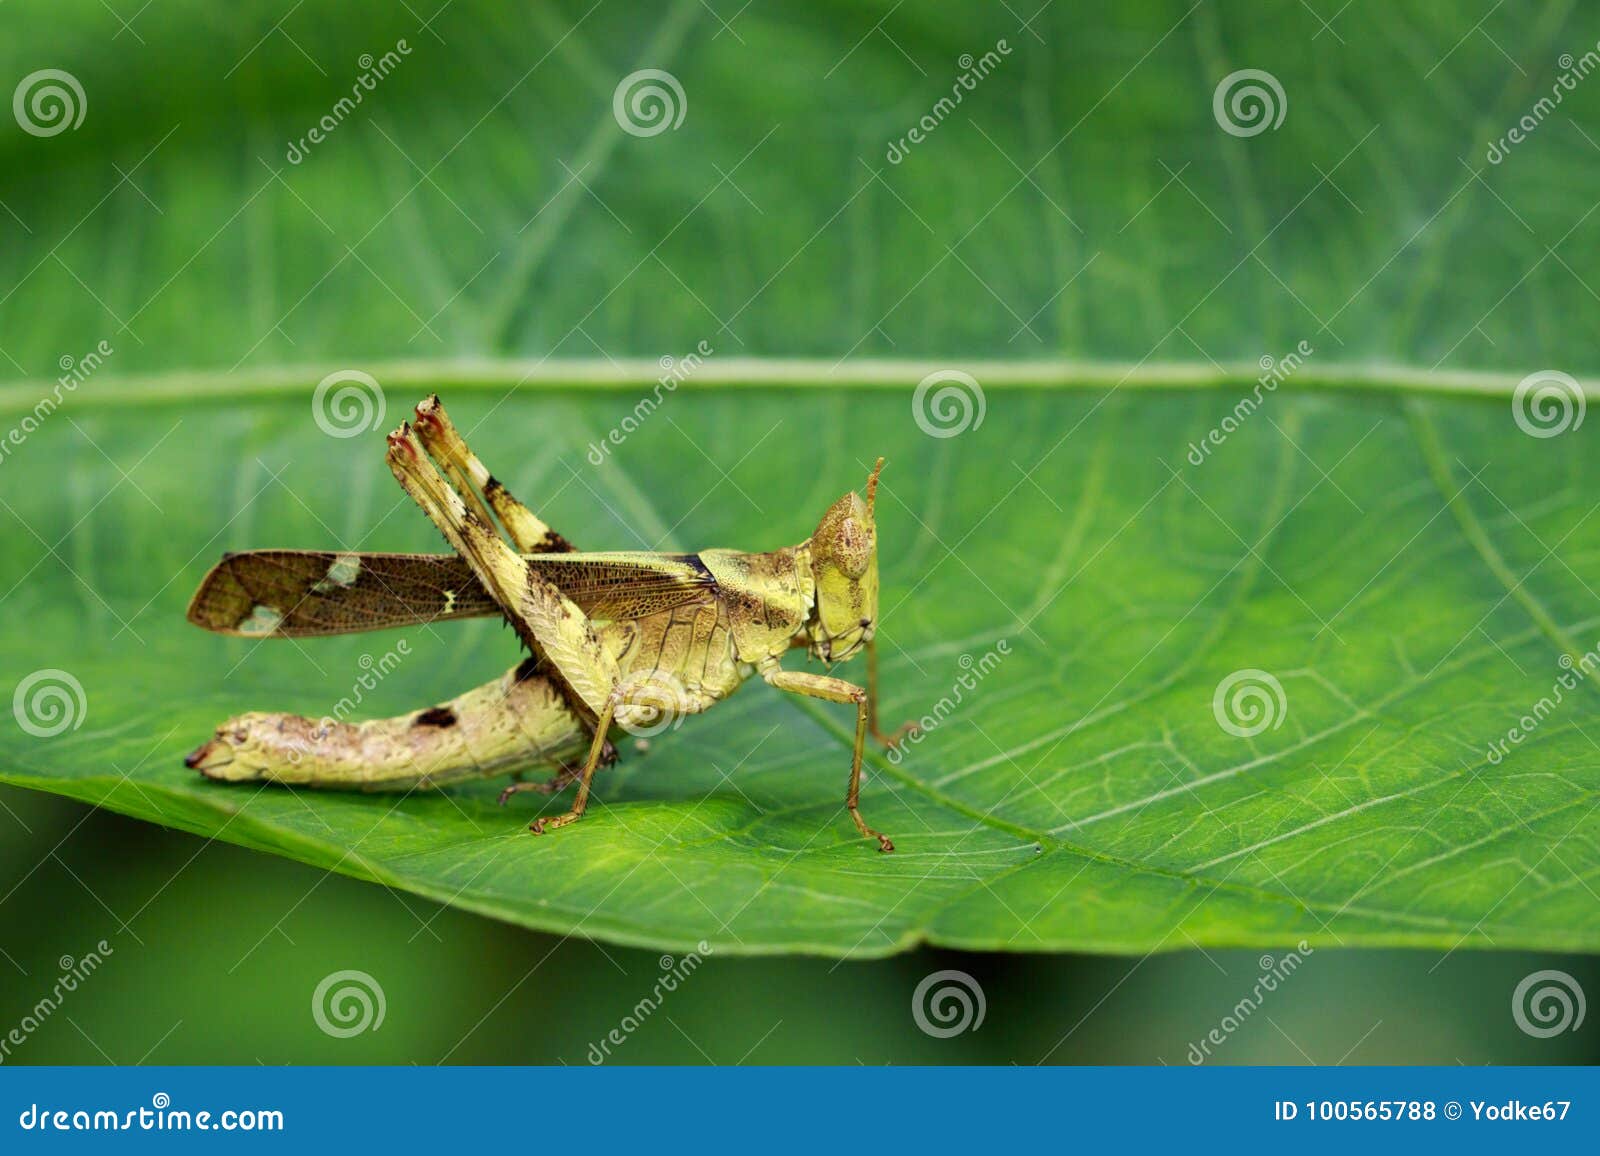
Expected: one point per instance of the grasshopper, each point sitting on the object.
(615, 639)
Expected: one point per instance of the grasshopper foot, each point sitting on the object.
(550, 786)
(541, 826)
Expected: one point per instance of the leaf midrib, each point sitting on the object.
(181, 387)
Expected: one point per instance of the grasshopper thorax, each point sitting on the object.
(844, 564)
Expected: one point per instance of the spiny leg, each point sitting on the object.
(836, 690)
(906, 728)
(591, 764)
(548, 622)
(528, 533)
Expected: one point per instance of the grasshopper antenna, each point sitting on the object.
(872, 486)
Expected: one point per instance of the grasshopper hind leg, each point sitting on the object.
(476, 485)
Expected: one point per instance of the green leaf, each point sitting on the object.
(1395, 569)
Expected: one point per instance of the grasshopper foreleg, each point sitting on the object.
(906, 728)
(832, 689)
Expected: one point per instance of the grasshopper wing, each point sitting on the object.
(304, 593)
(620, 585)
(300, 593)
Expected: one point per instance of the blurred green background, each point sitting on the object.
(482, 203)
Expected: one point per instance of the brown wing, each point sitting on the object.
(303, 593)
(293, 593)
(613, 586)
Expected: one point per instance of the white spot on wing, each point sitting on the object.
(341, 573)
(261, 620)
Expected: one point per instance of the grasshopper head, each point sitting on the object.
(844, 562)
